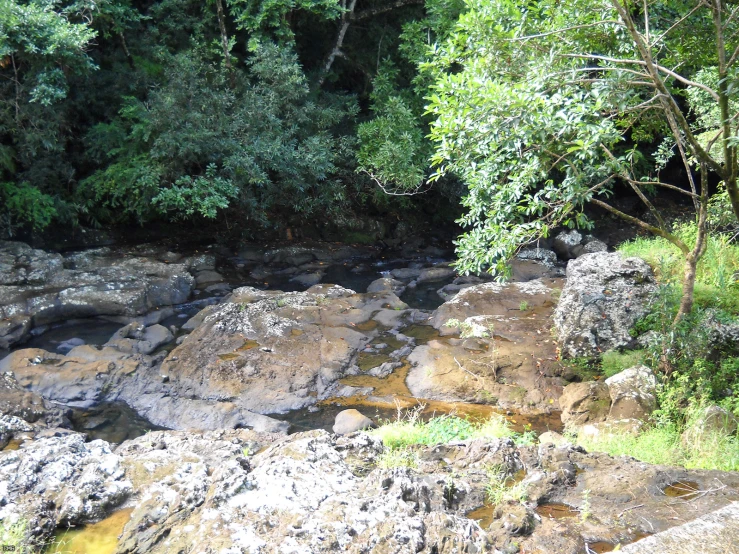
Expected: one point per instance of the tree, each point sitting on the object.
(41, 44)
(542, 107)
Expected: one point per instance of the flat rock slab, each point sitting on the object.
(714, 533)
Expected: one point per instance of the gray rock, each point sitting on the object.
(714, 419)
(308, 279)
(349, 421)
(386, 284)
(405, 273)
(604, 296)
(207, 277)
(566, 244)
(593, 246)
(435, 274)
(714, 533)
(633, 393)
(68, 344)
(541, 255)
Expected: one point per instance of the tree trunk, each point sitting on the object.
(224, 40)
(686, 302)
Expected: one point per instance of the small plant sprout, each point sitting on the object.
(523, 306)
(585, 508)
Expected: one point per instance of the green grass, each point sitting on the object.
(13, 536)
(398, 457)
(716, 284)
(500, 490)
(412, 430)
(613, 362)
(665, 446)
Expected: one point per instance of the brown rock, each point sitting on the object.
(584, 403)
(349, 421)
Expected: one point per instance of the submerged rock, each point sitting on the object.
(604, 296)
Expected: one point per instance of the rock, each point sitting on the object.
(541, 255)
(552, 437)
(207, 277)
(349, 421)
(60, 481)
(16, 401)
(633, 393)
(308, 279)
(39, 288)
(386, 284)
(604, 296)
(593, 246)
(716, 533)
(495, 365)
(586, 402)
(136, 338)
(435, 274)
(68, 344)
(405, 273)
(566, 244)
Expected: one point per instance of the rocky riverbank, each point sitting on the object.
(228, 371)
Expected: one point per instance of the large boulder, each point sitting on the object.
(604, 296)
(39, 288)
(633, 393)
(349, 421)
(582, 403)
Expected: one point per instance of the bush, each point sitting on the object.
(613, 362)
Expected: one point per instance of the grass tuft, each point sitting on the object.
(412, 430)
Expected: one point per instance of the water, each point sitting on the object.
(113, 422)
(93, 331)
(96, 538)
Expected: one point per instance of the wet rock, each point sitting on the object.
(308, 279)
(604, 296)
(633, 393)
(136, 338)
(16, 401)
(68, 344)
(38, 288)
(435, 274)
(207, 277)
(567, 244)
(495, 365)
(405, 273)
(386, 284)
(586, 402)
(349, 421)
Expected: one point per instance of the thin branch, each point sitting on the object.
(678, 22)
(565, 29)
(382, 9)
(644, 225)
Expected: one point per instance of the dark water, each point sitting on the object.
(424, 296)
(111, 421)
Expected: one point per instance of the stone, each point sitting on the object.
(566, 244)
(406, 273)
(207, 277)
(308, 279)
(68, 344)
(633, 393)
(349, 421)
(586, 402)
(435, 274)
(552, 437)
(541, 255)
(593, 246)
(716, 533)
(386, 284)
(605, 294)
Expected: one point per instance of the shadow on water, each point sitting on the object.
(113, 422)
